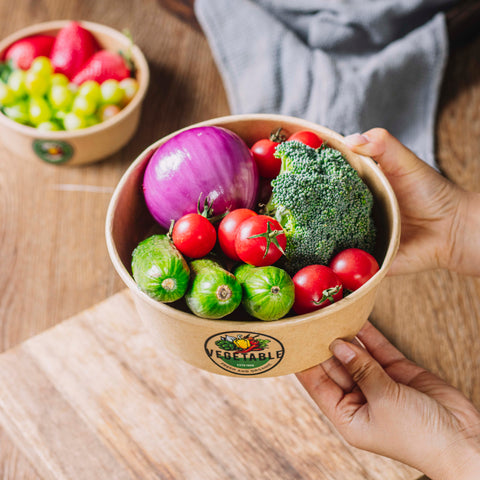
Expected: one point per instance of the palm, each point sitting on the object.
(428, 407)
(427, 202)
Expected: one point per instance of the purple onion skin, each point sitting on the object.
(209, 162)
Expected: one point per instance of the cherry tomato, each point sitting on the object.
(354, 267)
(316, 286)
(260, 241)
(227, 230)
(306, 137)
(194, 235)
(268, 165)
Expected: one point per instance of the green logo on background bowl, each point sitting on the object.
(53, 151)
(244, 353)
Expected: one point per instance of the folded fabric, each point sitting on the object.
(348, 65)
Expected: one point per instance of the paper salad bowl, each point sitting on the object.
(295, 342)
(86, 145)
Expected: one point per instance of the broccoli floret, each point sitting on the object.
(322, 204)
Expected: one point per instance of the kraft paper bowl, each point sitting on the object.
(294, 343)
(85, 145)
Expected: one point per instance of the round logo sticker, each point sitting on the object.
(53, 151)
(244, 353)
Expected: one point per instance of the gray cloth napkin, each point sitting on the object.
(348, 65)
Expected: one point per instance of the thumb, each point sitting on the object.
(394, 157)
(365, 371)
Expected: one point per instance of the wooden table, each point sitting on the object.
(55, 264)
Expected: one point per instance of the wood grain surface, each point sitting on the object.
(54, 262)
(98, 399)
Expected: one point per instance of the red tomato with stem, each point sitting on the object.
(227, 230)
(354, 267)
(260, 241)
(194, 235)
(316, 286)
(308, 138)
(263, 152)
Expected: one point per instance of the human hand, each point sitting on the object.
(440, 221)
(382, 402)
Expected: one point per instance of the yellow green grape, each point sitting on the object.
(129, 87)
(83, 106)
(36, 83)
(91, 90)
(48, 126)
(38, 110)
(7, 97)
(60, 97)
(16, 82)
(71, 121)
(111, 92)
(59, 79)
(18, 112)
(40, 98)
(42, 66)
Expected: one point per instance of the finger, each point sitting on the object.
(318, 384)
(394, 157)
(398, 367)
(338, 407)
(365, 371)
(323, 390)
(336, 371)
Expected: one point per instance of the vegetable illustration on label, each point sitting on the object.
(244, 353)
(245, 343)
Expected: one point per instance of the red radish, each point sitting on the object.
(73, 46)
(23, 51)
(104, 65)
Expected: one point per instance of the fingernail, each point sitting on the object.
(342, 351)
(356, 139)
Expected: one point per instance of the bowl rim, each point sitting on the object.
(140, 61)
(265, 326)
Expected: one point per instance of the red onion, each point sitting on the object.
(201, 162)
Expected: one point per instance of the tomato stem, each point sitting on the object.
(271, 237)
(328, 294)
(277, 135)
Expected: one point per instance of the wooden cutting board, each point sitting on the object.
(94, 398)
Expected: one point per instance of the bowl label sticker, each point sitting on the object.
(53, 151)
(244, 353)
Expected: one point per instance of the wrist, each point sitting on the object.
(459, 461)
